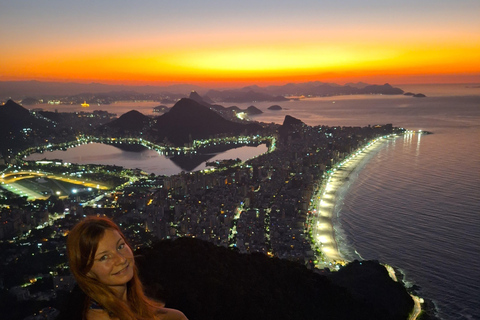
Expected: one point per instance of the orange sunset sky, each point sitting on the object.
(221, 43)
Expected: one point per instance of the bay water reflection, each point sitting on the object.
(147, 160)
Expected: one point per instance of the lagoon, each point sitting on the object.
(147, 160)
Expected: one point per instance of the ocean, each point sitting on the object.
(415, 203)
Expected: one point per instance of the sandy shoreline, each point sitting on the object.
(322, 225)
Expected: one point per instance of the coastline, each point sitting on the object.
(323, 232)
(324, 202)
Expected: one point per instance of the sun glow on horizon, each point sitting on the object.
(245, 44)
(236, 64)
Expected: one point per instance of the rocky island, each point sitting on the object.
(275, 107)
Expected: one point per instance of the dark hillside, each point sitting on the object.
(209, 282)
(189, 120)
(19, 129)
(132, 122)
(368, 282)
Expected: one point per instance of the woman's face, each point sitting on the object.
(113, 262)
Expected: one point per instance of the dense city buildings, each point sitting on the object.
(260, 205)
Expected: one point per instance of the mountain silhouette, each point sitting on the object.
(289, 128)
(252, 110)
(314, 88)
(41, 88)
(290, 121)
(275, 107)
(359, 85)
(202, 100)
(241, 96)
(15, 111)
(419, 95)
(188, 120)
(130, 122)
(234, 108)
(385, 89)
(19, 128)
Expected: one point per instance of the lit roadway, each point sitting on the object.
(161, 149)
(8, 180)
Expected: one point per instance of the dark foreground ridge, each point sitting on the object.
(210, 282)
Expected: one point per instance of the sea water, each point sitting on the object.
(415, 203)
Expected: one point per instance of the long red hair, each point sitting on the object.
(82, 244)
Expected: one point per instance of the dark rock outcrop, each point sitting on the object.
(209, 282)
(290, 121)
(290, 128)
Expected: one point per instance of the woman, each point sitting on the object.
(103, 265)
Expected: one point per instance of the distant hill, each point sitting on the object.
(296, 88)
(275, 107)
(227, 113)
(241, 96)
(202, 100)
(316, 88)
(385, 89)
(132, 122)
(29, 101)
(19, 129)
(215, 283)
(254, 93)
(234, 108)
(22, 89)
(15, 112)
(419, 95)
(252, 110)
(189, 120)
(359, 85)
(160, 109)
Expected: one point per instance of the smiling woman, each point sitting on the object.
(113, 263)
(104, 267)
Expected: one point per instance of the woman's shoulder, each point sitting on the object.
(170, 314)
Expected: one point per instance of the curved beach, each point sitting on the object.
(322, 225)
